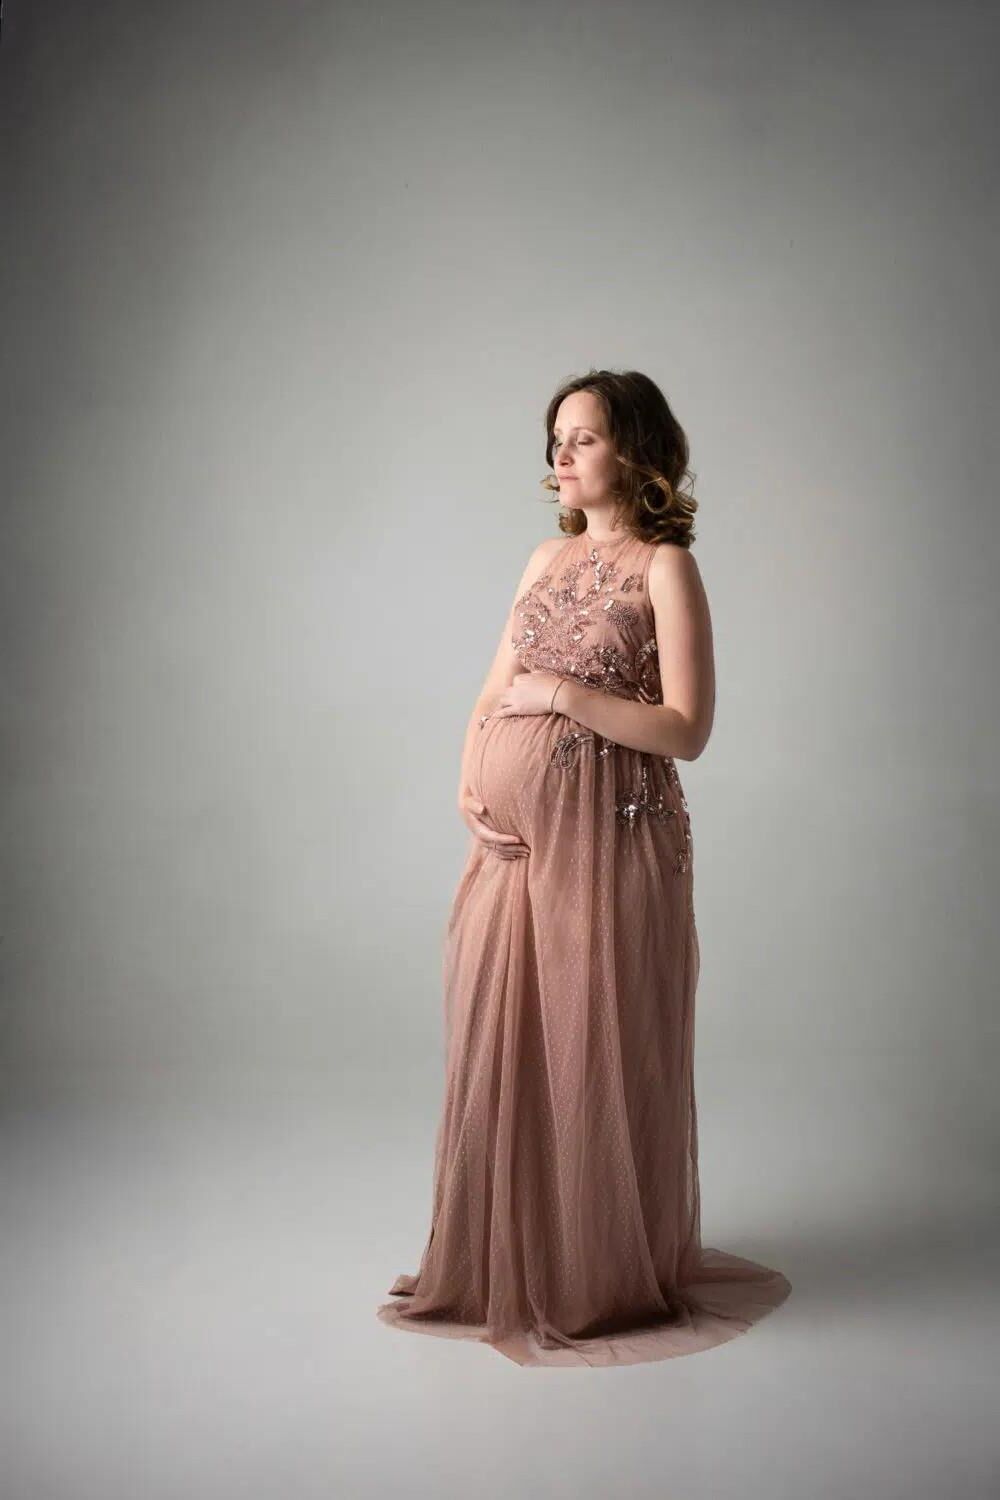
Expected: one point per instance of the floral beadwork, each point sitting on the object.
(604, 638)
(674, 780)
(598, 637)
(631, 804)
(566, 748)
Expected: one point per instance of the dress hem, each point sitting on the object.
(710, 1312)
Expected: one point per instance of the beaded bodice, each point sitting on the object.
(588, 616)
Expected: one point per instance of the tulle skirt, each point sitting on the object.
(565, 1219)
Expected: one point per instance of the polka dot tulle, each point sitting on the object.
(565, 1215)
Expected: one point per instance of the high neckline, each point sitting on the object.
(609, 542)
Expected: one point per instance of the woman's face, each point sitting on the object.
(582, 456)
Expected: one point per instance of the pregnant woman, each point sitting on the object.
(565, 1225)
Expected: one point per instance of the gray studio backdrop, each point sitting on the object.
(285, 290)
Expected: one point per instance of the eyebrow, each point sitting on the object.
(578, 428)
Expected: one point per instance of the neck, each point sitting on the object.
(599, 529)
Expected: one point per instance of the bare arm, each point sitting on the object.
(505, 665)
(681, 725)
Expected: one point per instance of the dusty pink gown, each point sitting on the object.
(565, 1225)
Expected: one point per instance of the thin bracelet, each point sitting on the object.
(555, 690)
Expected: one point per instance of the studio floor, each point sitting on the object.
(191, 1268)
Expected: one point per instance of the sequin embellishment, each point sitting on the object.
(684, 853)
(631, 804)
(605, 641)
(566, 748)
(561, 631)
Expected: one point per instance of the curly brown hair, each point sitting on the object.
(652, 453)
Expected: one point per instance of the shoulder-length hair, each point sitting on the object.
(652, 453)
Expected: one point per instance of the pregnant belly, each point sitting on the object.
(513, 753)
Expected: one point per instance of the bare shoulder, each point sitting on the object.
(674, 580)
(673, 563)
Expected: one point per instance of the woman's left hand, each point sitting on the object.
(529, 693)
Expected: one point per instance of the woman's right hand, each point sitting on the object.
(473, 813)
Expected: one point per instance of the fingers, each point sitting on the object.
(506, 845)
(491, 835)
(519, 851)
